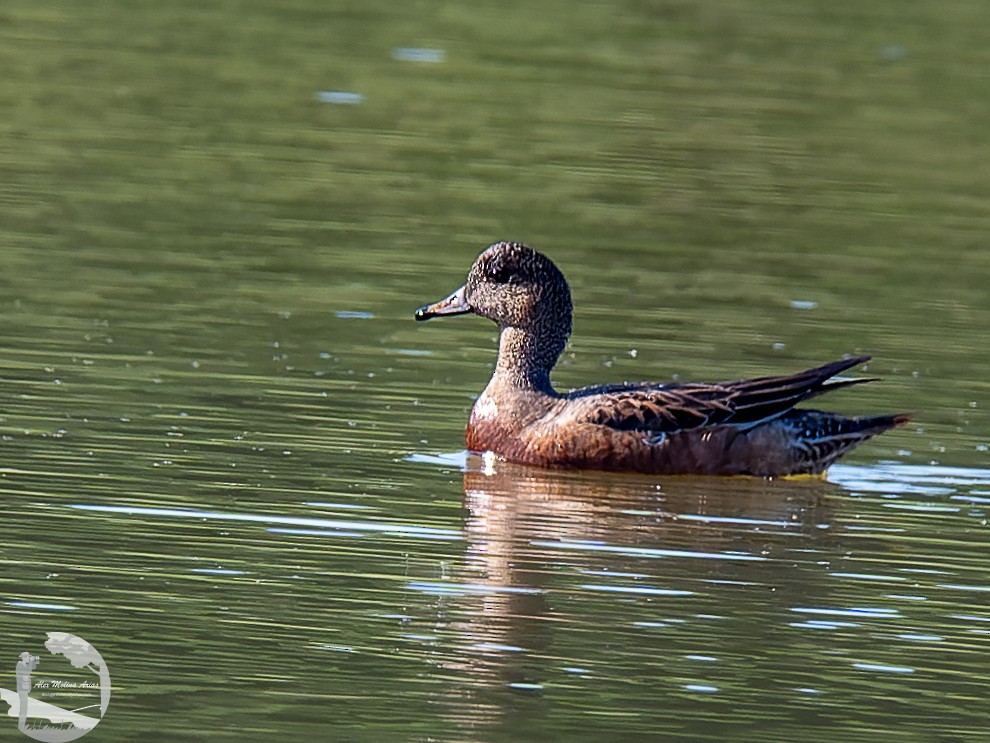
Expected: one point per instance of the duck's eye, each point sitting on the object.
(500, 273)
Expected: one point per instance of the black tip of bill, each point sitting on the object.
(455, 304)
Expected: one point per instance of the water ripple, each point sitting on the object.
(410, 530)
(652, 552)
(646, 590)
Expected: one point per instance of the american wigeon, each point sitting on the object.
(747, 427)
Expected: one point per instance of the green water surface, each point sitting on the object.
(232, 461)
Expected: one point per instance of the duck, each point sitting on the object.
(743, 427)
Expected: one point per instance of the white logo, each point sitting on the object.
(59, 698)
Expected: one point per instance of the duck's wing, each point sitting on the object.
(667, 408)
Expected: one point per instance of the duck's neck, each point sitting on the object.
(525, 358)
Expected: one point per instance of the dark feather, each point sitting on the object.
(667, 408)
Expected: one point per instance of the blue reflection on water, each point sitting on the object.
(36, 605)
(636, 589)
(461, 589)
(904, 479)
(641, 551)
(339, 97)
(855, 611)
(417, 54)
(882, 668)
(381, 527)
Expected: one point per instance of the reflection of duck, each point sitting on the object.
(744, 427)
(523, 512)
(553, 556)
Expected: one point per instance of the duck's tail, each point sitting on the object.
(819, 438)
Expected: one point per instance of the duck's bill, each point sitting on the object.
(455, 304)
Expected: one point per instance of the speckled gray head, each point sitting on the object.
(514, 286)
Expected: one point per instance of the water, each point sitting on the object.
(234, 463)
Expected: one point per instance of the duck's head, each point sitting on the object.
(515, 287)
